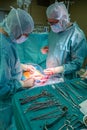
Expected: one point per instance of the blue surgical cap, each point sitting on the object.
(58, 11)
(18, 22)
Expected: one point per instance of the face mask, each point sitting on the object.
(21, 39)
(57, 28)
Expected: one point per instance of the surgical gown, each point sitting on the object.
(10, 74)
(67, 48)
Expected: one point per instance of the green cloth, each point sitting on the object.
(10, 74)
(23, 119)
(30, 51)
(10, 71)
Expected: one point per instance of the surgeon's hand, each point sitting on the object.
(84, 75)
(52, 71)
(44, 50)
(28, 83)
(49, 71)
(29, 68)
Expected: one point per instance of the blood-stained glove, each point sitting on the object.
(52, 71)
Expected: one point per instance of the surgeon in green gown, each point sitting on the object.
(67, 46)
(14, 29)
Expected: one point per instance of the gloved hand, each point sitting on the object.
(84, 75)
(27, 67)
(28, 83)
(51, 71)
(37, 75)
(31, 69)
(44, 50)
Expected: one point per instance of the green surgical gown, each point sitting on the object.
(67, 48)
(10, 74)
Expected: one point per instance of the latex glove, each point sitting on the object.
(37, 75)
(51, 71)
(44, 50)
(28, 83)
(84, 75)
(29, 68)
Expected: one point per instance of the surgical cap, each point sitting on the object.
(18, 22)
(58, 11)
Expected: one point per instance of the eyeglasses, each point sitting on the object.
(23, 35)
(53, 22)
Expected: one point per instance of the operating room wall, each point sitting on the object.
(6, 4)
(78, 13)
(38, 13)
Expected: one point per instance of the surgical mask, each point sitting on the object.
(57, 27)
(21, 39)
